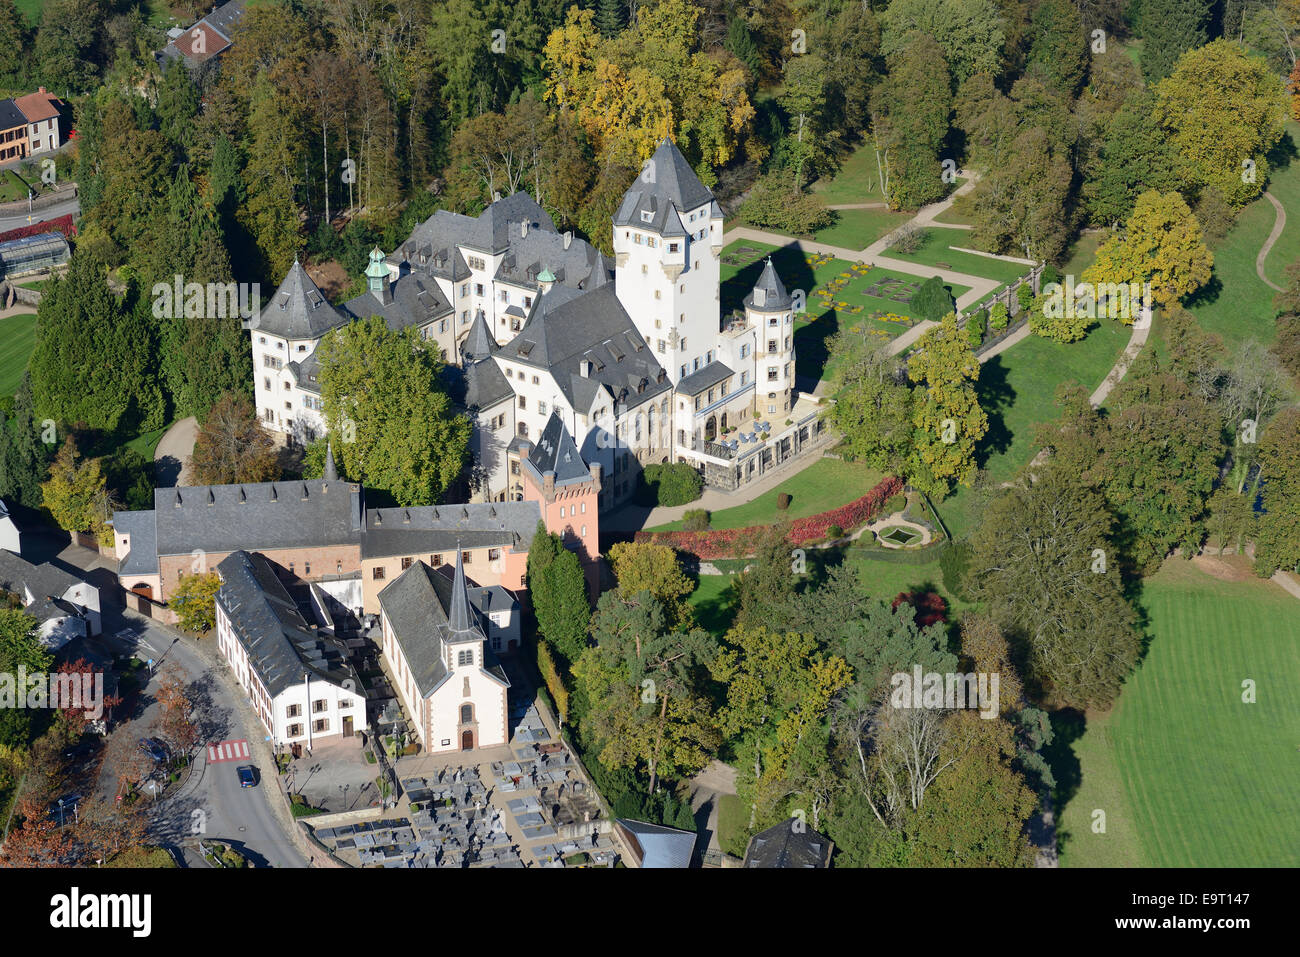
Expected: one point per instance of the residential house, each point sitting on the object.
(64, 606)
(201, 44)
(41, 111)
(296, 673)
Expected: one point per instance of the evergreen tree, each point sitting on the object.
(1169, 29)
(178, 104)
(741, 45)
(24, 460)
(609, 17)
(558, 592)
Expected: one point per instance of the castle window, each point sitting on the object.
(673, 247)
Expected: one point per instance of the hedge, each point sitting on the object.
(727, 543)
(670, 484)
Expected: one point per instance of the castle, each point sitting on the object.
(635, 358)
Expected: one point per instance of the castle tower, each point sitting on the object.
(667, 241)
(769, 311)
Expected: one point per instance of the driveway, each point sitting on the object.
(172, 456)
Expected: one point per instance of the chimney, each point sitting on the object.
(584, 368)
(523, 229)
(548, 484)
(40, 89)
(568, 239)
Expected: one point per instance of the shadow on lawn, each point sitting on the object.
(996, 396)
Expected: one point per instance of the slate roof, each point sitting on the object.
(556, 452)
(298, 310)
(479, 343)
(709, 376)
(484, 385)
(661, 846)
(268, 623)
(783, 846)
(437, 528)
(306, 373)
(11, 116)
(142, 559)
(256, 516)
(419, 604)
(593, 326)
(769, 293)
(413, 300)
(492, 231)
(675, 189)
(45, 582)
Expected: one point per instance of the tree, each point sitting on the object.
(1223, 111)
(1170, 28)
(774, 204)
(1021, 205)
(873, 404)
(932, 301)
(558, 592)
(92, 361)
(1277, 543)
(232, 447)
(15, 42)
(766, 588)
(1134, 157)
(1044, 562)
(178, 103)
(803, 97)
(644, 566)
(76, 494)
(947, 416)
(392, 422)
(1162, 246)
(177, 725)
(23, 454)
(910, 111)
(194, 601)
(1059, 48)
(970, 32)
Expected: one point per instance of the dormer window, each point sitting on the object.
(647, 216)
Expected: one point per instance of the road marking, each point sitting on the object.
(228, 751)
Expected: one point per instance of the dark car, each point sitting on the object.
(154, 748)
(247, 776)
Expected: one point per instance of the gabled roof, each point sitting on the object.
(10, 116)
(661, 846)
(666, 187)
(493, 231)
(298, 310)
(413, 300)
(428, 529)
(254, 516)
(281, 644)
(42, 582)
(591, 326)
(216, 31)
(556, 452)
(788, 844)
(38, 106)
(420, 604)
(768, 294)
(705, 378)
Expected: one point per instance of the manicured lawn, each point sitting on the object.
(937, 251)
(17, 340)
(12, 187)
(147, 442)
(1236, 304)
(712, 603)
(733, 818)
(859, 228)
(1188, 774)
(826, 484)
(857, 181)
(1081, 255)
(1017, 391)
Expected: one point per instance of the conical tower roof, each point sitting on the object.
(769, 293)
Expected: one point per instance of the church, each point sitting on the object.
(634, 357)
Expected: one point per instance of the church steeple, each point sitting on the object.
(459, 619)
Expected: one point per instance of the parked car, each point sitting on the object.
(154, 748)
(247, 776)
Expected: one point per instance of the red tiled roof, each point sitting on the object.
(38, 106)
(200, 42)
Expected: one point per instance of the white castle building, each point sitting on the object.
(637, 360)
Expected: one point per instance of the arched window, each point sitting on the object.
(466, 714)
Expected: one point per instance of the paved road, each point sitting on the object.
(72, 206)
(172, 456)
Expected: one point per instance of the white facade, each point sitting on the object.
(281, 405)
(43, 136)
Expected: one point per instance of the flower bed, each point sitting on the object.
(733, 542)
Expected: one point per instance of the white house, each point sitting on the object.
(435, 641)
(297, 676)
(64, 606)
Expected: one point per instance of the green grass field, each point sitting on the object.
(857, 181)
(823, 485)
(17, 340)
(859, 228)
(937, 251)
(1188, 774)
(147, 442)
(1016, 391)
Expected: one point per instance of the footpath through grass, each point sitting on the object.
(937, 251)
(1189, 774)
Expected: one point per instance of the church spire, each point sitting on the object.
(331, 471)
(458, 615)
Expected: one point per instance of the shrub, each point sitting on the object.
(1025, 295)
(932, 301)
(834, 532)
(930, 607)
(783, 501)
(954, 563)
(696, 520)
(999, 316)
(773, 204)
(1050, 274)
(975, 330)
(671, 483)
(896, 503)
(909, 238)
